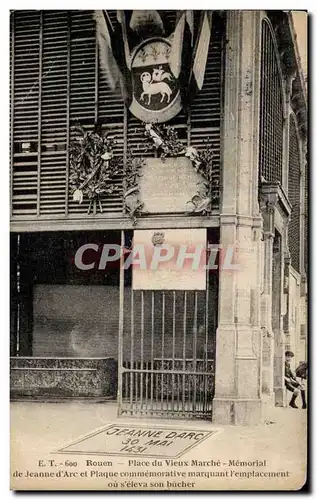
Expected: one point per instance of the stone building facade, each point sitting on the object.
(66, 329)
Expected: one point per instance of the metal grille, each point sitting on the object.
(271, 113)
(56, 80)
(294, 182)
(171, 367)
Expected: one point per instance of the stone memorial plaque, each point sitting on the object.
(167, 186)
(138, 440)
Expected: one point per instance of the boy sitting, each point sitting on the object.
(291, 383)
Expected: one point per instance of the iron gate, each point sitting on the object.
(166, 352)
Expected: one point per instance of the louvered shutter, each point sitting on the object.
(294, 182)
(26, 70)
(53, 112)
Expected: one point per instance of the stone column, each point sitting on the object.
(238, 348)
(279, 342)
(266, 317)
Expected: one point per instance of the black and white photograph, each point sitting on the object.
(159, 183)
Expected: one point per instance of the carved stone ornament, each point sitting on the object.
(158, 238)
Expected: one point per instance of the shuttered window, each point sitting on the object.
(294, 182)
(271, 112)
(56, 81)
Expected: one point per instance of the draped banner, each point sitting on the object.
(156, 73)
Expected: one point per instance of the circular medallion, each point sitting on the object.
(158, 238)
(156, 95)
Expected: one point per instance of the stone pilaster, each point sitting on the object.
(279, 339)
(238, 359)
(267, 205)
(266, 316)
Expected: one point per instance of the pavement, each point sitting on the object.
(269, 456)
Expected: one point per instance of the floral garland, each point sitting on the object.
(93, 167)
(165, 140)
(132, 204)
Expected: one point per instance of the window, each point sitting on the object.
(271, 110)
(294, 179)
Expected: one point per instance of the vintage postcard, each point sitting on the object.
(159, 180)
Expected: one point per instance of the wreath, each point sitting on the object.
(93, 167)
(94, 171)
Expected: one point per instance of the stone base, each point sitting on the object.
(268, 404)
(268, 400)
(281, 396)
(230, 411)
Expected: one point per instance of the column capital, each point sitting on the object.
(268, 236)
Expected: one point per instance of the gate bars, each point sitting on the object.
(166, 352)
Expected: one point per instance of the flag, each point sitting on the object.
(107, 60)
(199, 57)
(111, 55)
(181, 50)
(175, 61)
(124, 37)
(201, 50)
(182, 40)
